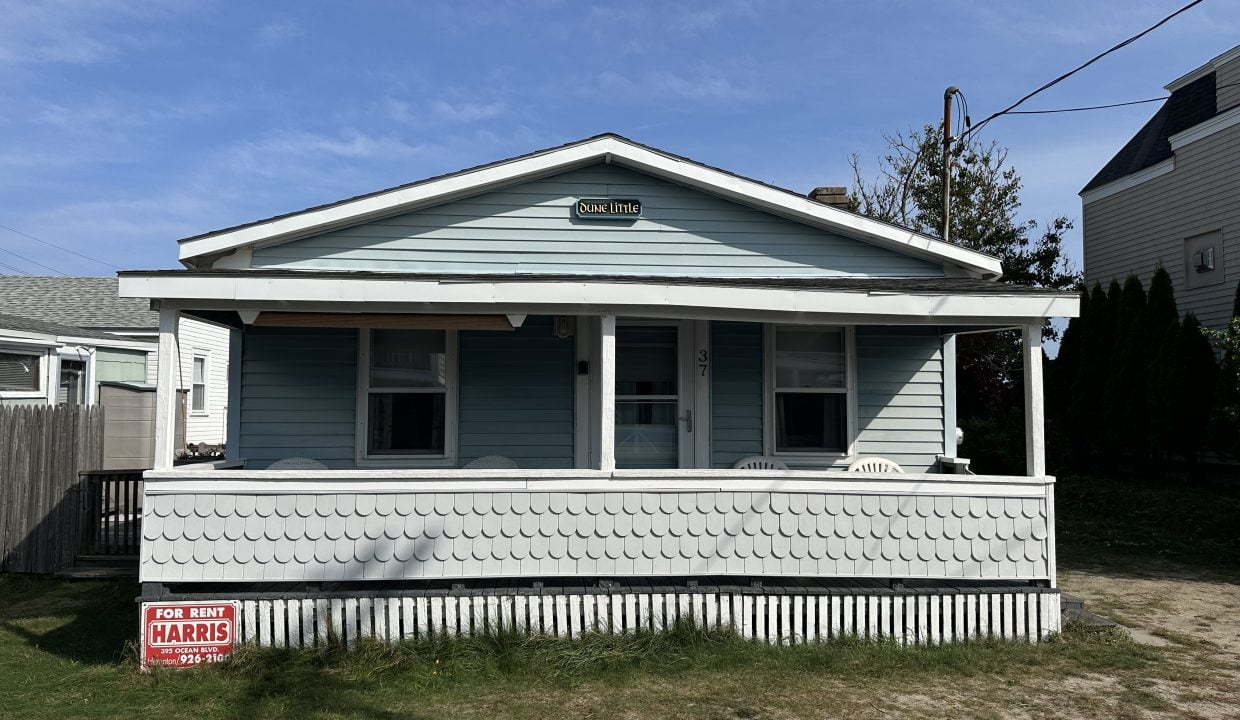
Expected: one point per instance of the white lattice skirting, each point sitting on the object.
(920, 619)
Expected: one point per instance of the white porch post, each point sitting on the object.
(607, 393)
(1035, 427)
(169, 363)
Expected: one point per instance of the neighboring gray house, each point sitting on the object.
(1171, 196)
(528, 393)
(93, 303)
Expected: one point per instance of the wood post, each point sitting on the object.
(1035, 427)
(166, 389)
(607, 393)
(949, 396)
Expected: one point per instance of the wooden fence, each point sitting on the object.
(42, 450)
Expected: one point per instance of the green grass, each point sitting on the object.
(1127, 522)
(65, 652)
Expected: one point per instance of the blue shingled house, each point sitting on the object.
(598, 386)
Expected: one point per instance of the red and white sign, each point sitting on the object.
(188, 634)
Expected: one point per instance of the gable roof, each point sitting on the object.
(85, 302)
(1188, 105)
(44, 327)
(607, 148)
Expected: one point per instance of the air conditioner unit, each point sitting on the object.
(1203, 260)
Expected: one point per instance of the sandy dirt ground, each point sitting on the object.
(1193, 617)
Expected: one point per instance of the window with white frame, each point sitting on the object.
(407, 377)
(809, 394)
(20, 372)
(198, 385)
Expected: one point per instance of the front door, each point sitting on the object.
(654, 395)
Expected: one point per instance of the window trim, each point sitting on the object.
(362, 410)
(206, 382)
(44, 373)
(850, 391)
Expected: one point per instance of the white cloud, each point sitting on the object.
(77, 33)
(278, 32)
(702, 85)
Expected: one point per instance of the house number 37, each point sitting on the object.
(702, 359)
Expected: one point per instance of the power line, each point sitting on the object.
(1084, 65)
(32, 262)
(1104, 107)
(19, 271)
(1089, 107)
(58, 247)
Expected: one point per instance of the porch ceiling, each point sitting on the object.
(965, 301)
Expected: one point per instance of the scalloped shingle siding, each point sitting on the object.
(224, 537)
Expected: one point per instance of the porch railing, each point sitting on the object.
(112, 512)
(296, 526)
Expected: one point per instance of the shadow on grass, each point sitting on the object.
(298, 684)
(91, 623)
(1150, 527)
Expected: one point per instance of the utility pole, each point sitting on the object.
(947, 159)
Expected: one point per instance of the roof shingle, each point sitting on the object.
(88, 302)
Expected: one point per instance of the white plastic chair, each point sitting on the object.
(297, 463)
(491, 462)
(874, 465)
(759, 462)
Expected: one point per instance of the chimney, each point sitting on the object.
(833, 196)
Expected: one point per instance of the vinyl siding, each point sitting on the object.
(194, 335)
(117, 365)
(298, 396)
(516, 395)
(529, 228)
(735, 392)
(198, 337)
(1138, 229)
(900, 395)
(1227, 82)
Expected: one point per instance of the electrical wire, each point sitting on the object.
(16, 270)
(1010, 108)
(1088, 107)
(58, 247)
(32, 262)
(1104, 107)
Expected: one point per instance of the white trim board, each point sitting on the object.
(1201, 71)
(584, 297)
(1128, 181)
(246, 482)
(1203, 130)
(611, 149)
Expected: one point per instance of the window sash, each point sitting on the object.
(198, 385)
(847, 389)
(33, 370)
(365, 456)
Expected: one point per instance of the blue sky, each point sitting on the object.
(127, 124)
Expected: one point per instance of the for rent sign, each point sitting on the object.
(187, 634)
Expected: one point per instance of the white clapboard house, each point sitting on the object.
(597, 387)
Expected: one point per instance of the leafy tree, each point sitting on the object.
(1193, 373)
(1124, 403)
(985, 205)
(1226, 432)
(985, 202)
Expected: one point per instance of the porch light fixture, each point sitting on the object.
(565, 326)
